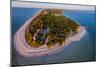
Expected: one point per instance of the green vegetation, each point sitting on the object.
(52, 23)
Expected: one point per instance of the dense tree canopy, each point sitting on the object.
(59, 28)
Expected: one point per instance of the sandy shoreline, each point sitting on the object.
(27, 51)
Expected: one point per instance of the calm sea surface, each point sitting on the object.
(83, 50)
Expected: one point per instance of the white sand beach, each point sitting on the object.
(24, 49)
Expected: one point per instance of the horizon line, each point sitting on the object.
(33, 4)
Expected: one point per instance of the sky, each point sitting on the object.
(52, 6)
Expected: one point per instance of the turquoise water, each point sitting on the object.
(83, 50)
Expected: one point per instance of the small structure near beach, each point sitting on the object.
(47, 32)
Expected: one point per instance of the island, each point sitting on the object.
(46, 33)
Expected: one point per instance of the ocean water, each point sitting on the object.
(79, 51)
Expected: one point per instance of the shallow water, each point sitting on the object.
(83, 50)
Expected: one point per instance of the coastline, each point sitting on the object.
(22, 47)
